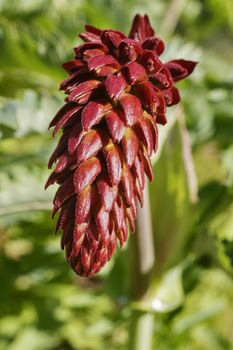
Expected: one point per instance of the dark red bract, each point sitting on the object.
(117, 91)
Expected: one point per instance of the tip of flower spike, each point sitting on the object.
(141, 28)
(117, 92)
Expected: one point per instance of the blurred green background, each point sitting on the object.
(43, 305)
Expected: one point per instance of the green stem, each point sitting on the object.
(189, 166)
(141, 331)
(172, 17)
(143, 258)
(143, 255)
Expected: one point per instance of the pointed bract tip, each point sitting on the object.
(141, 28)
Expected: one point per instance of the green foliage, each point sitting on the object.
(43, 305)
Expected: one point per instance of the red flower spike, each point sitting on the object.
(117, 92)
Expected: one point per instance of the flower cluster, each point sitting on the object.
(117, 90)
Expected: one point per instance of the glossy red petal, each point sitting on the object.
(154, 44)
(75, 137)
(139, 192)
(115, 85)
(67, 214)
(88, 54)
(163, 78)
(92, 34)
(73, 66)
(119, 217)
(107, 193)
(172, 96)
(146, 134)
(102, 221)
(103, 60)
(101, 257)
(127, 185)
(61, 147)
(180, 69)
(62, 162)
(131, 218)
(134, 73)
(63, 117)
(112, 38)
(93, 238)
(141, 28)
(89, 146)
(148, 96)
(154, 130)
(67, 108)
(75, 78)
(53, 178)
(144, 158)
(93, 113)
(129, 49)
(132, 109)
(80, 50)
(82, 92)
(130, 146)
(138, 171)
(83, 205)
(116, 126)
(150, 62)
(86, 173)
(161, 110)
(105, 71)
(65, 190)
(113, 162)
(85, 258)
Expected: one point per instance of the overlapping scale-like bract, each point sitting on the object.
(117, 91)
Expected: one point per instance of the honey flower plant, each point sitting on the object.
(117, 90)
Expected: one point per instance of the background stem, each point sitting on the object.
(141, 332)
(143, 258)
(171, 18)
(189, 166)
